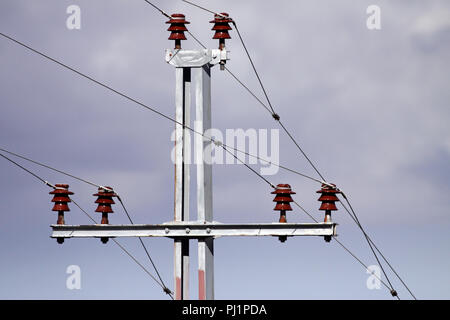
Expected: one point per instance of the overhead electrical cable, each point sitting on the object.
(274, 114)
(354, 217)
(315, 220)
(277, 118)
(165, 289)
(271, 110)
(150, 108)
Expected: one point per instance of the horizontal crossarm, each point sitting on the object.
(194, 230)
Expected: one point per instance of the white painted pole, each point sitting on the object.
(182, 154)
(202, 80)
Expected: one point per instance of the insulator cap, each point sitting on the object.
(61, 197)
(328, 197)
(221, 26)
(283, 197)
(177, 26)
(105, 200)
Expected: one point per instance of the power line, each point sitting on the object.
(274, 114)
(276, 117)
(343, 246)
(315, 220)
(25, 169)
(90, 183)
(215, 142)
(250, 168)
(145, 106)
(161, 284)
(272, 111)
(198, 41)
(200, 7)
(253, 66)
(165, 289)
(51, 168)
(157, 8)
(393, 292)
(371, 243)
(248, 90)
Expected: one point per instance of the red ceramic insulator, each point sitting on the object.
(61, 199)
(104, 201)
(221, 28)
(177, 28)
(283, 198)
(328, 198)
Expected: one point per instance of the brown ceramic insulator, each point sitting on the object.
(177, 28)
(221, 28)
(283, 198)
(61, 199)
(328, 198)
(104, 201)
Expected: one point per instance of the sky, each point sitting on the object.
(369, 107)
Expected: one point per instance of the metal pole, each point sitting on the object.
(182, 160)
(202, 79)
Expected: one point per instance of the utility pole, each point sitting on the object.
(193, 68)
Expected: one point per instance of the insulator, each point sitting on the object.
(283, 198)
(328, 198)
(221, 26)
(61, 199)
(177, 28)
(104, 201)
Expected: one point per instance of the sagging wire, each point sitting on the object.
(142, 104)
(314, 219)
(277, 118)
(163, 286)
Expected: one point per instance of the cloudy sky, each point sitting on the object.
(370, 107)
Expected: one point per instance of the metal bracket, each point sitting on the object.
(195, 58)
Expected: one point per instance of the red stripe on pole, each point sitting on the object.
(201, 285)
(178, 292)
